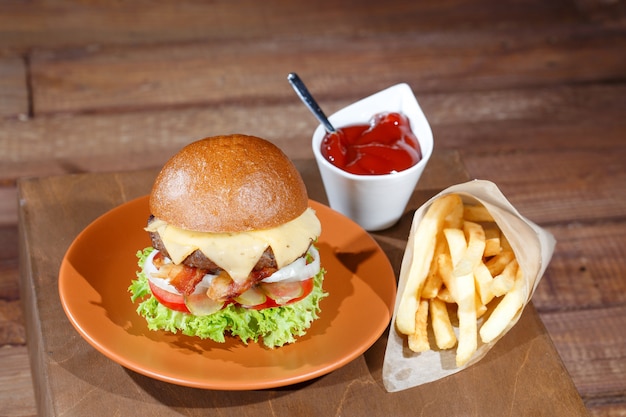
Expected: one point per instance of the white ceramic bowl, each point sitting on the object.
(375, 202)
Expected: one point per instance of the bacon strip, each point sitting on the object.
(182, 277)
(224, 288)
(185, 279)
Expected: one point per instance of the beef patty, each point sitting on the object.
(197, 259)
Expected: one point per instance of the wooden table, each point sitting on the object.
(530, 95)
(524, 371)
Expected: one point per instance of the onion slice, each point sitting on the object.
(298, 270)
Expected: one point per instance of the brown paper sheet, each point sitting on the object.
(533, 247)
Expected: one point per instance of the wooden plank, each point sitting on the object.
(11, 319)
(545, 184)
(38, 355)
(532, 114)
(476, 121)
(600, 11)
(9, 288)
(608, 408)
(587, 270)
(8, 236)
(483, 122)
(13, 87)
(122, 142)
(119, 78)
(16, 386)
(8, 205)
(12, 330)
(11, 323)
(40, 23)
(597, 369)
(510, 136)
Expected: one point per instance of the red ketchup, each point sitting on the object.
(383, 146)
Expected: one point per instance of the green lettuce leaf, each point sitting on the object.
(273, 326)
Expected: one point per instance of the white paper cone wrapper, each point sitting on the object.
(533, 247)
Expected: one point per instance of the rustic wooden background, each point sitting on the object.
(531, 93)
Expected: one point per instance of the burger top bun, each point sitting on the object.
(228, 183)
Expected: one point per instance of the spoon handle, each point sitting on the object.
(309, 101)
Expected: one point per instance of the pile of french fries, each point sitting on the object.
(462, 265)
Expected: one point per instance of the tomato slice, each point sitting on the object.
(307, 287)
(169, 299)
(267, 295)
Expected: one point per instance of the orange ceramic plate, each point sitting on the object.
(100, 264)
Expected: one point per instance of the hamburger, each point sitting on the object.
(233, 245)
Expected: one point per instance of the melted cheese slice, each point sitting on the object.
(238, 253)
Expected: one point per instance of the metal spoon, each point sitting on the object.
(309, 101)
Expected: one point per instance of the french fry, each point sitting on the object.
(418, 341)
(497, 264)
(505, 311)
(433, 281)
(444, 263)
(476, 213)
(445, 296)
(462, 264)
(425, 241)
(483, 281)
(442, 327)
(492, 240)
(463, 291)
(466, 312)
(475, 248)
(456, 244)
(454, 220)
(504, 282)
(481, 308)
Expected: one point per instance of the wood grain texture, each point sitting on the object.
(531, 94)
(587, 184)
(587, 270)
(115, 78)
(16, 387)
(39, 23)
(14, 97)
(575, 334)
